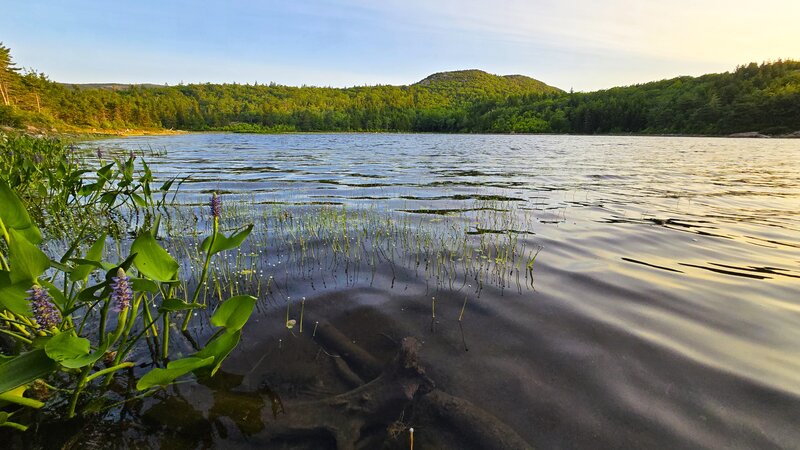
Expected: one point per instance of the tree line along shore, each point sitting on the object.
(754, 100)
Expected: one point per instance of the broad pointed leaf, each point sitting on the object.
(95, 254)
(13, 296)
(175, 369)
(222, 243)
(144, 285)
(234, 312)
(153, 261)
(72, 351)
(220, 347)
(27, 260)
(15, 216)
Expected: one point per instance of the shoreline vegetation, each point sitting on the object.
(95, 134)
(752, 101)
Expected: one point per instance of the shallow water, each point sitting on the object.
(665, 308)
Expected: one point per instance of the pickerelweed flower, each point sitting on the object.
(99, 154)
(45, 312)
(121, 292)
(216, 206)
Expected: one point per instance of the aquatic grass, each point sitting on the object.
(345, 244)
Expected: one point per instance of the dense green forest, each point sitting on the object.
(764, 98)
(754, 97)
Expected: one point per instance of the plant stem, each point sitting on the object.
(103, 319)
(461, 316)
(4, 231)
(16, 336)
(3, 263)
(203, 273)
(302, 309)
(77, 392)
(16, 426)
(122, 322)
(128, 327)
(149, 318)
(108, 371)
(165, 337)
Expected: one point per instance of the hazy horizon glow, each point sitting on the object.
(580, 44)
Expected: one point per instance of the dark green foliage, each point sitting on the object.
(755, 97)
(45, 303)
(763, 98)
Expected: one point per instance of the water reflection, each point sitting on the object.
(666, 308)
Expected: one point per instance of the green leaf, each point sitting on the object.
(66, 346)
(89, 262)
(15, 216)
(176, 304)
(60, 267)
(72, 351)
(88, 293)
(86, 360)
(144, 285)
(25, 369)
(27, 260)
(13, 296)
(95, 254)
(167, 185)
(88, 189)
(138, 199)
(153, 261)
(175, 369)
(105, 173)
(219, 347)
(234, 312)
(222, 243)
(111, 269)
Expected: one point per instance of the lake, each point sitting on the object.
(662, 309)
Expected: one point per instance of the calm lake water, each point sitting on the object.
(665, 306)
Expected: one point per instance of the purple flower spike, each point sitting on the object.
(216, 205)
(45, 312)
(121, 292)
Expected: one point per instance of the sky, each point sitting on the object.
(571, 44)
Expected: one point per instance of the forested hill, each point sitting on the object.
(110, 86)
(440, 104)
(763, 98)
(479, 84)
(754, 97)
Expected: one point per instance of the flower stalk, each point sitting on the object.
(215, 207)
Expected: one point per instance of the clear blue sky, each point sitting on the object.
(583, 44)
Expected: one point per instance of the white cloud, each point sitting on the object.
(700, 30)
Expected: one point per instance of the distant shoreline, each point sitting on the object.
(90, 134)
(176, 132)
